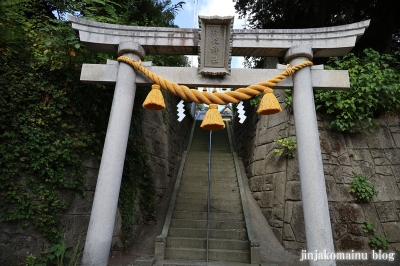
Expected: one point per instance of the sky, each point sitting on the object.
(186, 18)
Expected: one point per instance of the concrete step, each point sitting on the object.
(229, 202)
(239, 234)
(200, 189)
(216, 168)
(186, 242)
(227, 182)
(214, 254)
(201, 181)
(215, 207)
(203, 195)
(202, 224)
(215, 216)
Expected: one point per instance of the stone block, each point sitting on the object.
(264, 199)
(344, 159)
(332, 143)
(380, 157)
(349, 213)
(380, 139)
(288, 234)
(279, 180)
(297, 222)
(386, 211)
(292, 170)
(396, 172)
(347, 174)
(288, 212)
(294, 247)
(351, 242)
(386, 187)
(371, 215)
(392, 231)
(268, 135)
(365, 168)
(358, 140)
(383, 170)
(339, 230)
(278, 233)
(293, 190)
(277, 216)
(260, 152)
(355, 229)
(396, 138)
(337, 192)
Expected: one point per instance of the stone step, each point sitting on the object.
(202, 181)
(213, 208)
(215, 184)
(186, 242)
(239, 234)
(199, 189)
(228, 202)
(216, 168)
(214, 254)
(203, 195)
(202, 224)
(215, 216)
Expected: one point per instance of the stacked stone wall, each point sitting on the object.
(275, 182)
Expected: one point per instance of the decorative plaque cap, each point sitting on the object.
(215, 45)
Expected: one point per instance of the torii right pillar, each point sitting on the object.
(313, 190)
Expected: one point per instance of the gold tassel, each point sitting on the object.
(269, 104)
(212, 120)
(155, 99)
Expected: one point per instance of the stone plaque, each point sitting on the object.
(215, 45)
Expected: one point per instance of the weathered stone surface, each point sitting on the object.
(358, 141)
(298, 222)
(288, 233)
(396, 172)
(264, 199)
(288, 212)
(386, 211)
(386, 187)
(352, 242)
(279, 194)
(371, 215)
(396, 138)
(293, 190)
(349, 213)
(295, 247)
(337, 192)
(380, 139)
(392, 231)
(339, 230)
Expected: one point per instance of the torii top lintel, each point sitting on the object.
(325, 42)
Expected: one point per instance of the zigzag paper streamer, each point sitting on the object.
(181, 111)
(241, 112)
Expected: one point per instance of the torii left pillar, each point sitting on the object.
(104, 209)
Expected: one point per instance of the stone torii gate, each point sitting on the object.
(294, 45)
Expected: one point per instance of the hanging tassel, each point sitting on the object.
(212, 120)
(269, 104)
(155, 99)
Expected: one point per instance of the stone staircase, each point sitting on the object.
(186, 238)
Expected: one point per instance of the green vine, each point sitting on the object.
(287, 147)
(376, 241)
(363, 190)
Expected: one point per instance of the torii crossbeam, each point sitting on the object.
(294, 45)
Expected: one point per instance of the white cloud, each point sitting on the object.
(220, 8)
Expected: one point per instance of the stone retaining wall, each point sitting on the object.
(166, 139)
(274, 180)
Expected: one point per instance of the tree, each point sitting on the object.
(383, 35)
(48, 119)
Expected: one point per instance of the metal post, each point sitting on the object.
(104, 209)
(208, 195)
(313, 190)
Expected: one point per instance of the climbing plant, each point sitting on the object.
(50, 121)
(374, 90)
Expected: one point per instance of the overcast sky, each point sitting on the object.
(187, 17)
